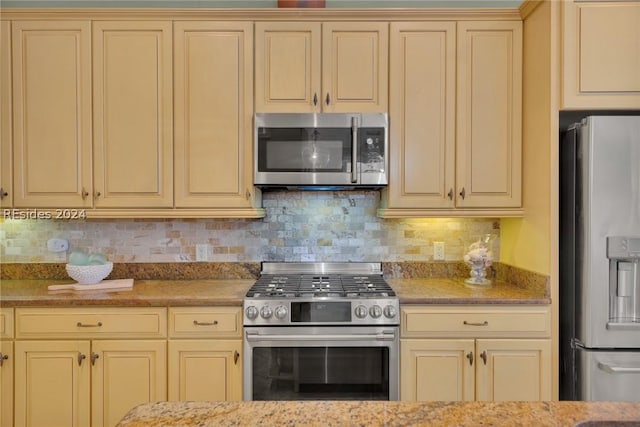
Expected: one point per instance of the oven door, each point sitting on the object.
(321, 363)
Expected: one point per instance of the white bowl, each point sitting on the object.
(89, 274)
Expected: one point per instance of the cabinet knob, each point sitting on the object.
(315, 99)
(462, 193)
(483, 356)
(470, 357)
(98, 194)
(3, 193)
(81, 357)
(450, 194)
(3, 357)
(94, 357)
(247, 194)
(328, 99)
(84, 193)
(236, 355)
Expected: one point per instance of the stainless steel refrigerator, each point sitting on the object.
(600, 259)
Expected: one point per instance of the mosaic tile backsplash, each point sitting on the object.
(299, 226)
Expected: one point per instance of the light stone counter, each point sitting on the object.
(371, 414)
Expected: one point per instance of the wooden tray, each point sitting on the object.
(105, 284)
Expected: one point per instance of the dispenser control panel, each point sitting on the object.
(623, 247)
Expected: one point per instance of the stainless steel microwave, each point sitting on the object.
(321, 151)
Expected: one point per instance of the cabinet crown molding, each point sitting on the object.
(173, 14)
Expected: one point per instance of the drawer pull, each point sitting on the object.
(3, 357)
(236, 355)
(195, 322)
(88, 325)
(81, 357)
(485, 323)
(470, 357)
(483, 356)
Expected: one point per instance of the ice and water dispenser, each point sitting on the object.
(624, 279)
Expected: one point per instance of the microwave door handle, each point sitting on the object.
(354, 149)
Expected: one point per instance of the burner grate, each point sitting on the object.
(320, 285)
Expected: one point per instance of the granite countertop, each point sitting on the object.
(230, 292)
(310, 413)
(145, 293)
(456, 291)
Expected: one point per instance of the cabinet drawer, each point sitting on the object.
(458, 321)
(91, 322)
(205, 322)
(6, 322)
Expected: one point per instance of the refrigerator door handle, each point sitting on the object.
(613, 369)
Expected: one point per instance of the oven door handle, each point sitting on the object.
(382, 336)
(613, 369)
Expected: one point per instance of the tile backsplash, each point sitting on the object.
(299, 226)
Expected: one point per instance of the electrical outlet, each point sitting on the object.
(57, 245)
(438, 251)
(202, 252)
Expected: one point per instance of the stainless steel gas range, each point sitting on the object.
(321, 331)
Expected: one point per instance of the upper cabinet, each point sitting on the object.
(51, 67)
(213, 114)
(132, 114)
(6, 178)
(601, 55)
(455, 104)
(321, 67)
(489, 115)
(422, 111)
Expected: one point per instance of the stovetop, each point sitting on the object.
(321, 293)
(320, 285)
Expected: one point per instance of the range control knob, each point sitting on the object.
(375, 311)
(281, 312)
(251, 312)
(361, 311)
(266, 312)
(390, 312)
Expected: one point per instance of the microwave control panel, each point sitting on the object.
(371, 149)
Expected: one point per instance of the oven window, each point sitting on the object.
(320, 373)
(304, 149)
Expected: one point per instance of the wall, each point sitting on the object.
(526, 242)
(299, 226)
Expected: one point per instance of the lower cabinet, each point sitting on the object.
(493, 354)
(6, 367)
(87, 366)
(205, 353)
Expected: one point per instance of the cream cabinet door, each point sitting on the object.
(125, 374)
(437, 370)
(205, 370)
(489, 110)
(6, 382)
(213, 114)
(132, 115)
(513, 370)
(355, 66)
(328, 67)
(52, 383)
(51, 67)
(422, 79)
(288, 61)
(601, 60)
(6, 169)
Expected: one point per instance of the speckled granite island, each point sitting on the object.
(202, 414)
